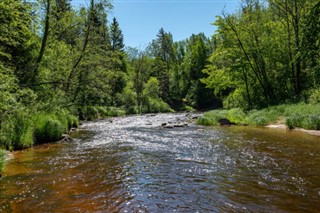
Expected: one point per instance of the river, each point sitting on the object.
(133, 164)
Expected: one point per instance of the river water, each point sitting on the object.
(132, 164)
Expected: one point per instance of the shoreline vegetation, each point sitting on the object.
(50, 127)
(24, 131)
(60, 63)
(301, 116)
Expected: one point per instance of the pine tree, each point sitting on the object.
(116, 36)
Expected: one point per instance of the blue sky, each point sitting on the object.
(140, 20)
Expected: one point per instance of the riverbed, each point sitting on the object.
(134, 164)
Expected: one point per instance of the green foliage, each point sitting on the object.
(47, 128)
(16, 130)
(314, 98)
(73, 121)
(22, 136)
(236, 115)
(129, 99)
(1, 160)
(212, 117)
(91, 113)
(205, 121)
(304, 121)
(156, 105)
(295, 115)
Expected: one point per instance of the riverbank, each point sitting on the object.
(302, 117)
(26, 130)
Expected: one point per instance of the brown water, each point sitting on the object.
(134, 165)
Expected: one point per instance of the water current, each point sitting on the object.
(133, 164)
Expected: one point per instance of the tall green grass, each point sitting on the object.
(90, 113)
(22, 129)
(16, 131)
(301, 115)
(156, 105)
(73, 121)
(1, 161)
(48, 127)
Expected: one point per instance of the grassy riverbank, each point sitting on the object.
(24, 130)
(1, 161)
(300, 115)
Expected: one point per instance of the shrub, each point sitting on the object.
(47, 128)
(63, 118)
(156, 105)
(89, 113)
(73, 121)
(102, 111)
(301, 115)
(314, 98)
(212, 117)
(1, 161)
(23, 133)
(16, 131)
(115, 112)
(293, 121)
(304, 121)
(236, 115)
(205, 121)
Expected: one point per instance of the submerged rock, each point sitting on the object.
(66, 138)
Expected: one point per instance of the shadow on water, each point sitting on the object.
(133, 164)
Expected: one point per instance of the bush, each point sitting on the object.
(63, 118)
(23, 133)
(314, 98)
(236, 115)
(47, 128)
(304, 121)
(301, 115)
(205, 121)
(212, 117)
(102, 111)
(1, 161)
(73, 121)
(115, 112)
(16, 131)
(156, 105)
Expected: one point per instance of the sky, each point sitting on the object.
(141, 20)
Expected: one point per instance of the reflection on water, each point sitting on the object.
(134, 165)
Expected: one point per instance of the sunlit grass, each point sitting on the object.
(48, 128)
(1, 161)
(293, 115)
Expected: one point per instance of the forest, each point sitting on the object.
(59, 64)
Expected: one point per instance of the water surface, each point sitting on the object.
(132, 164)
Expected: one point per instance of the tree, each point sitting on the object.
(116, 36)
(17, 42)
(162, 50)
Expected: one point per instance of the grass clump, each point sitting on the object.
(47, 128)
(304, 121)
(300, 115)
(91, 113)
(1, 161)
(73, 121)
(156, 105)
(115, 112)
(16, 131)
(212, 117)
